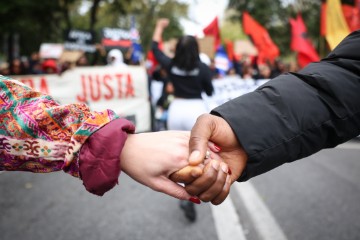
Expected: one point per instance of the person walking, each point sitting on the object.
(189, 77)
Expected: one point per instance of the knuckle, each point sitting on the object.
(179, 156)
(210, 176)
(205, 197)
(194, 139)
(191, 190)
(178, 194)
(217, 201)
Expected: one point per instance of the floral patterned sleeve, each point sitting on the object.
(39, 135)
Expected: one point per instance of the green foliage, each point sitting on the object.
(231, 28)
(148, 12)
(37, 22)
(34, 22)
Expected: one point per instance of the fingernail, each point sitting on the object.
(195, 200)
(217, 148)
(229, 171)
(215, 164)
(224, 168)
(194, 155)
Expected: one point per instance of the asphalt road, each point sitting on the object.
(312, 199)
(318, 197)
(56, 207)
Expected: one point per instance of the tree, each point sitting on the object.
(147, 13)
(38, 22)
(31, 21)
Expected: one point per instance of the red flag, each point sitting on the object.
(351, 15)
(261, 39)
(301, 43)
(213, 30)
(230, 50)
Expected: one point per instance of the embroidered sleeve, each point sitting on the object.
(38, 134)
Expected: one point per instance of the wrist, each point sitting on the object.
(127, 151)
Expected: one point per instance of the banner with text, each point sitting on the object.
(122, 89)
(230, 87)
(225, 89)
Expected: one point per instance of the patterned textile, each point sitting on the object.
(39, 135)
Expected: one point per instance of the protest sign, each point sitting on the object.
(51, 50)
(79, 40)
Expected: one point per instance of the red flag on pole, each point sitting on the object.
(213, 30)
(261, 39)
(301, 43)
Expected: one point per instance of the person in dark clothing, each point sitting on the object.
(189, 78)
(288, 118)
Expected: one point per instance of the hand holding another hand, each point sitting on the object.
(214, 132)
(152, 158)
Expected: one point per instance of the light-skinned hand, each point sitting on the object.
(150, 158)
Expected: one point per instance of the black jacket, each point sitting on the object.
(297, 114)
(186, 84)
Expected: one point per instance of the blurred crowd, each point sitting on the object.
(249, 68)
(246, 67)
(34, 64)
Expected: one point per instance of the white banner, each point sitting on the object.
(122, 89)
(225, 89)
(230, 87)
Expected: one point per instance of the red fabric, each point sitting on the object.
(99, 162)
(151, 58)
(301, 43)
(230, 50)
(357, 14)
(351, 14)
(49, 63)
(261, 39)
(213, 30)
(113, 43)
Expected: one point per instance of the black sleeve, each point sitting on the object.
(164, 60)
(206, 79)
(297, 114)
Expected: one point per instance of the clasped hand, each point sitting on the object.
(160, 160)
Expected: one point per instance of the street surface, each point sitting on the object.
(312, 199)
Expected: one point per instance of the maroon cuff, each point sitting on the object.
(99, 160)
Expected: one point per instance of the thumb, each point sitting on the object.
(199, 138)
(174, 190)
